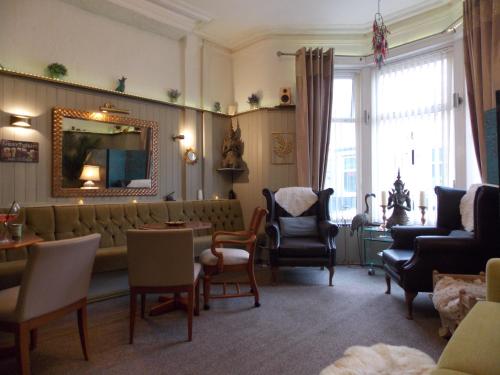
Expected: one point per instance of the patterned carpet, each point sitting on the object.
(302, 326)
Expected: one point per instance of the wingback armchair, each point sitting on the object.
(308, 251)
(418, 250)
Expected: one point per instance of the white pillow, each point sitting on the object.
(467, 206)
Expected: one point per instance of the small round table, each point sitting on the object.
(194, 225)
(27, 239)
(167, 304)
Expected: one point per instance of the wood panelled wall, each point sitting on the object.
(256, 129)
(30, 183)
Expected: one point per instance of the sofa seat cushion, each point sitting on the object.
(110, 259)
(475, 345)
(396, 258)
(231, 256)
(11, 273)
(200, 243)
(8, 303)
(302, 247)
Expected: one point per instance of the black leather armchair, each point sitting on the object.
(301, 251)
(447, 248)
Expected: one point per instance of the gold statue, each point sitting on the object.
(399, 199)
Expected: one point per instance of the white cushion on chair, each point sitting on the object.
(8, 303)
(231, 256)
(197, 269)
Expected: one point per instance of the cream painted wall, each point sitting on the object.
(217, 84)
(96, 50)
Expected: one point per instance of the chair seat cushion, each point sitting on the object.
(302, 247)
(231, 256)
(396, 257)
(8, 303)
(197, 269)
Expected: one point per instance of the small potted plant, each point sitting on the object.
(57, 71)
(217, 107)
(254, 101)
(173, 95)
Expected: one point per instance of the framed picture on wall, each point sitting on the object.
(282, 148)
(18, 151)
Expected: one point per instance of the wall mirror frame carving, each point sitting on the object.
(58, 190)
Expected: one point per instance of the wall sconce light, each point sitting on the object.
(22, 121)
(90, 173)
(110, 108)
(176, 137)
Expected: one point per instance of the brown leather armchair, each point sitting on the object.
(316, 251)
(447, 248)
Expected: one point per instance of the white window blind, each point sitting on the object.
(413, 127)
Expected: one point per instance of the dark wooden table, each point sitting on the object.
(167, 304)
(27, 239)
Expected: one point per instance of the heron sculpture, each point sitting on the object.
(361, 220)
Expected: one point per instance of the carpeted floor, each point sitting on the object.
(302, 326)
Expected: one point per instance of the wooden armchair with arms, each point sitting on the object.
(218, 259)
(55, 282)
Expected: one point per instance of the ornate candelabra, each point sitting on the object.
(422, 210)
(384, 218)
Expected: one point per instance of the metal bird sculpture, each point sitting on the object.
(360, 220)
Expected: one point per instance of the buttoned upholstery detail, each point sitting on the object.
(112, 221)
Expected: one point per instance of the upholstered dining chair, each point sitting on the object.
(55, 282)
(162, 261)
(219, 259)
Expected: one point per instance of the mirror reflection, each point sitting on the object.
(97, 155)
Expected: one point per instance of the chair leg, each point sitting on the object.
(388, 282)
(143, 304)
(253, 284)
(33, 339)
(190, 308)
(206, 291)
(331, 269)
(409, 297)
(197, 298)
(274, 274)
(133, 306)
(82, 329)
(23, 352)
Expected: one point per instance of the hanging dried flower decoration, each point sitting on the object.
(380, 45)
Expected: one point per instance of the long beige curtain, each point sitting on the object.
(482, 68)
(314, 74)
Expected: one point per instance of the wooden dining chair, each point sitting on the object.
(55, 282)
(162, 261)
(219, 259)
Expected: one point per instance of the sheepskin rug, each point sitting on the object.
(381, 359)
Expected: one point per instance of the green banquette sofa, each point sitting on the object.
(112, 221)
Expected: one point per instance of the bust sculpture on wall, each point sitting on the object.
(232, 148)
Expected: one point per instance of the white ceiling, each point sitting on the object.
(237, 23)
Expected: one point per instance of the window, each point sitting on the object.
(412, 129)
(341, 174)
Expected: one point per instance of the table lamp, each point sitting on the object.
(90, 173)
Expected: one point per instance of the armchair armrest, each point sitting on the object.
(493, 280)
(241, 233)
(404, 237)
(272, 230)
(327, 232)
(220, 256)
(444, 245)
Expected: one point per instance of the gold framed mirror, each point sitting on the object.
(96, 154)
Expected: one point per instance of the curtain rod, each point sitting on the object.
(451, 28)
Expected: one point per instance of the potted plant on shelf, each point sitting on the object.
(173, 95)
(57, 71)
(254, 101)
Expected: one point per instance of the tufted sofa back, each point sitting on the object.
(113, 220)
